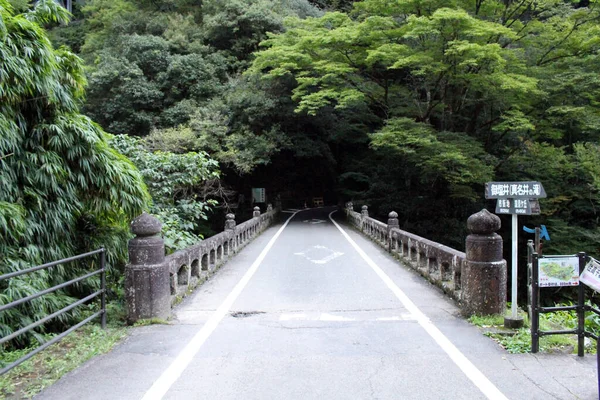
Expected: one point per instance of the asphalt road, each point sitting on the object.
(313, 319)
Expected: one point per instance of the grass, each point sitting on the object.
(151, 321)
(519, 340)
(46, 367)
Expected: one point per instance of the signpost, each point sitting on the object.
(515, 198)
(258, 195)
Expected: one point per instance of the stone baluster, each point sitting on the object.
(147, 280)
(484, 276)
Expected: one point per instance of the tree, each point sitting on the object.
(63, 190)
(460, 92)
(176, 182)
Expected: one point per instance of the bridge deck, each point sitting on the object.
(317, 320)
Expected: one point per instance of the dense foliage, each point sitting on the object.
(178, 186)
(63, 190)
(407, 105)
(463, 92)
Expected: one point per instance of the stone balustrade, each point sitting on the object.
(476, 279)
(155, 282)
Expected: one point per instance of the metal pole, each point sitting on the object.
(103, 288)
(581, 309)
(535, 311)
(598, 363)
(513, 306)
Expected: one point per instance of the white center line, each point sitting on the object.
(461, 361)
(183, 359)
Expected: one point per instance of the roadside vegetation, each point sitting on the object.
(519, 340)
(45, 368)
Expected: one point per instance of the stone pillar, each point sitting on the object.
(229, 222)
(350, 206)
(484, 274)
(256, 212)
(393, 220)
(269, 207)
(147, 285)
(392, 223)
(364, 211)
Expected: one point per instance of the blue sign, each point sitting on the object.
(543, 232)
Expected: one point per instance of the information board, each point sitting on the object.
(258, 195)
(559, 271)
(591, 275)
(514, 206)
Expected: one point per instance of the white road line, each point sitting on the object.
(338, 318)
(174, 371)
(291, 317)
(462, 362)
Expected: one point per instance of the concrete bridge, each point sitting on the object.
(314, 309)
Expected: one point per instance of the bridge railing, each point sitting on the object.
(466, 277)
(154, 282)
(100, 270)
(191, 266)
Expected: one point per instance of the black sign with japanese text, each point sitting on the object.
(514, 190)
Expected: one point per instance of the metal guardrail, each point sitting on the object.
(102, 292)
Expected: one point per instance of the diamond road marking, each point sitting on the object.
(323, 260)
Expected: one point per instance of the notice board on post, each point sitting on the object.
(259, 195)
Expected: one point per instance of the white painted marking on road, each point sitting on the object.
(174, 371)
(337, 318)
(291, 317)
(461, 361)
(403, 317)
(315, 317)
(318, 248)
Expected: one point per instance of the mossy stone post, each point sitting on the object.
(392, 223)
(364, 212)
(147, 281)
(269, 208)
(256, 212)
(230, 222)
(484, 274)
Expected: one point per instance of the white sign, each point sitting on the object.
(591, 275)
(258, 195)
(559, 271)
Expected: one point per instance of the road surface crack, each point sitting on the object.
(373, 375)
(245, 314)
(539, 386)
